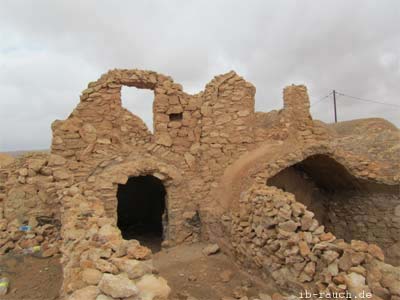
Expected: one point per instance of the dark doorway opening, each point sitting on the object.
(141, 207)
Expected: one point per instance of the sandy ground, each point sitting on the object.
(188, 271)
(31, 278)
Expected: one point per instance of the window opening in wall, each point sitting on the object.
(140, 103)
(175, 117)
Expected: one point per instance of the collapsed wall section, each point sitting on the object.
(31, 202)
(279, 236)
(268, 228)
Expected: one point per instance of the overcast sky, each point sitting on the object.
(50, 50)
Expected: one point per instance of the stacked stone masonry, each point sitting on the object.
(214, 155)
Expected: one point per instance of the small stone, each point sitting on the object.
(390, 282)
(61, 175)
(36, 164)
(138, 252)
(329, 256)
(91, 276)
(357, 258)
(50, 251)
(304, 249)
(264, 296)
(86, 293)
(117, 286)
(356, 283)
(56, 160)
(345, 261)
(376, 252)
(333, 268)
(381, 292)
(327, 237)
(306, 222)
(238, 292)
(109, 232)
(133, 268)
(152, 287)
(164, 139)
(210, 249)
(289, 226)
(23, 172)
(359, 270)
(226, 275)
(357, 245)
(105, 267)
(309, 269)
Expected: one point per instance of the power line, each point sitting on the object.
(321, 99)
(367, 100)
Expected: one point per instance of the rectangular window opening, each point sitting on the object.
(175, 117)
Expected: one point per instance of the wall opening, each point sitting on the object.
(141, 210)
(176, 117)
(140, 103)
(348, 207)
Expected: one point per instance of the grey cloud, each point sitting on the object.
(50, 50)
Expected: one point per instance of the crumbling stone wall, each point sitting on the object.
(214, 154)
(32, 184)
(30, 189)
(374, 218)
(277, 234)
(350, 208)
(179, 227)
(266, 228)
(96, 260)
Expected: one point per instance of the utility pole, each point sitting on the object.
(334, 105)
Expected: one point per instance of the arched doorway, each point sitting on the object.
(141, 210)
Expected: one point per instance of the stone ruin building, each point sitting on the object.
(312, 205)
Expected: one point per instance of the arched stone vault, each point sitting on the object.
(256, 168)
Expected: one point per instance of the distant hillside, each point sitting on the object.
(21, 152)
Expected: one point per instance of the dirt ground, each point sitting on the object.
(31, 278)
(190, 273)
